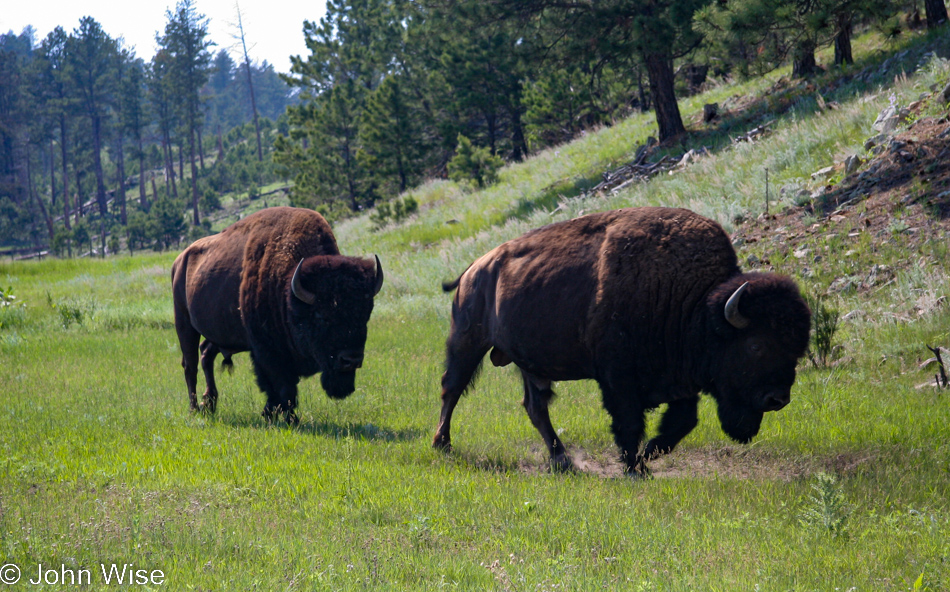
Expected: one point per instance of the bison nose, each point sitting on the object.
(349, 360)
(775, 400)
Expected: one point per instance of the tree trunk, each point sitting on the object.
(250, 87)
(37, 199)
(220, 147)
(154, 190)
(194, 176)
(201, 151)
(97, 163)
(936, 13)
(803, 60)
(62, 146)
(519, 147)
(491, 122)
(660, 74)
(80, 198)
(843, 40)
(143, 199)
(169, 167)
(120, 191)
(181, 162)
(52, 175)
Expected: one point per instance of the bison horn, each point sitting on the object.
(733, 315)
(379, 276)
(297, 288)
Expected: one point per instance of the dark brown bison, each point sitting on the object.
(650, 303)
(276, 285)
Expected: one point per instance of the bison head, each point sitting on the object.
(759, 330)
(331, 299)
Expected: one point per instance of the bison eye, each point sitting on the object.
(755, 347)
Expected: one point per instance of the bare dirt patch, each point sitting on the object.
(725, 461)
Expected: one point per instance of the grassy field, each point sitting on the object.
(845, 489)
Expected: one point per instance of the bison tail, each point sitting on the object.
(227, 364)
(450, 286)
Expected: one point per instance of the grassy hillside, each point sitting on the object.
(846, 488)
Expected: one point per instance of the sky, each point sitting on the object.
(273, 28)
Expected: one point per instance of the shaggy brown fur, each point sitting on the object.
(234, 289)
(635, 299)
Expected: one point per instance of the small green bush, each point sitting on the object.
(474, 164)
(824, 321)
(395, 211)
(828, 510)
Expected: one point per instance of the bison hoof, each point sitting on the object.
(442, 443)
(638, 471)
(562, 464)
(209, 403)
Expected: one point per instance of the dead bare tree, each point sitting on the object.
(250, 82)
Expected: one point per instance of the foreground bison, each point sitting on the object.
(649, 302)
(276, 285)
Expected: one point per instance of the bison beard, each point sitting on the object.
(338, 385)
(276, 285)
(650, 303)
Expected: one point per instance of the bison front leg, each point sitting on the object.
(537, 395)
(678, 420)
(281, 392)
(627, 425)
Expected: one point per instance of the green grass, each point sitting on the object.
(102, 462)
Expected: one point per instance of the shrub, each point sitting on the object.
(828, 510)
(395, 211)
(824, 321)
(210, 201)
(474, 164)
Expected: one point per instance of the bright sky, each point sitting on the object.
(273, 28)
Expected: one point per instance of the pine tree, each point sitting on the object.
(186, 41)
(91, 60)
(133, 115)
(351, 54)
(391, 145)
(54, 96)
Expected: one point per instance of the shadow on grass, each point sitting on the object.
(366, 431)
(480, 461)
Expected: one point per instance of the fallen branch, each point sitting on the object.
(941, 377)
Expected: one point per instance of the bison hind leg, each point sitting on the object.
(209, 352)
(537, 396)
(462, 363)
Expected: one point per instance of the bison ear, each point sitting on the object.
(733, 316)
(379, 277)
(298, 290)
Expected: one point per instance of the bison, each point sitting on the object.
(650, 303)
(276, 285)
